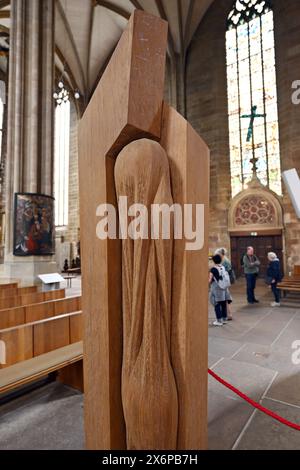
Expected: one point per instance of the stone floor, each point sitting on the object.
(254, 353)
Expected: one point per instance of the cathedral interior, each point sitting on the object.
(233, 72)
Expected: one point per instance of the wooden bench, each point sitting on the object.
(66, 360)
(31, 298)
(33, 339)
(17, 291)
(290, 284)
(30, 313)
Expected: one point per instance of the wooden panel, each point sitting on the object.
(76, 328)
(38, 367)
(72, 376)
(28, 290)
(54, 294)
(115, 116)
(297, 270)
(50, 335)
(19, 344)
(36, 312)
(27, 299)
(10, 302)
(9, 285)
(12, 292)
(12, 317)
(15, 292)
(189, 165)
(68, 305)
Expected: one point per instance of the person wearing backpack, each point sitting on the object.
(228, 266)
(219, 284)
(251, 269)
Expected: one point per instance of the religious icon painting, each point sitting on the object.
(34, 232)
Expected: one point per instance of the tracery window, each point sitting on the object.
(252, 95)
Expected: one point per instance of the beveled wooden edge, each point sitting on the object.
(45, 320)
(40, 303)
(15, 376)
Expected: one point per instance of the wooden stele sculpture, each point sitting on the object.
(145, 302)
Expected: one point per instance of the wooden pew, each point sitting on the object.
(297, 271)
(33, 339)
(17, 291)
(9, 285)
(30, 313)
(67, 361)
(291, 283)
(31, 298)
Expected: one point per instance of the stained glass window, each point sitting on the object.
(252, 95)
(61, 163)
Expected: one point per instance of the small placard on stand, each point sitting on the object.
(51, 281)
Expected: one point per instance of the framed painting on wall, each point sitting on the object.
(34, 231)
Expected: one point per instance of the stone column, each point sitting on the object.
(30, 120)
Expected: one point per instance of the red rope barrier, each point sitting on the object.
(254, 403)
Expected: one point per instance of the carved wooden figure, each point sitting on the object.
(145, 301)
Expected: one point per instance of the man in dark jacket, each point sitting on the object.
(274, 276)
(251, 268)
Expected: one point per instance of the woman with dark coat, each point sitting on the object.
(274, 276)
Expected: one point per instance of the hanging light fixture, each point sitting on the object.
(62, 94)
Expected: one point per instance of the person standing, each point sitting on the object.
(251, 269)
(228, 267)
(274, 276)
(218, 280)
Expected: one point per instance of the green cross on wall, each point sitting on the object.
(252, 117)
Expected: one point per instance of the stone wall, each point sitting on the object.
(206, 102)
(287, 40)
(206, 90)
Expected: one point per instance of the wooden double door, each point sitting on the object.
(262, 246)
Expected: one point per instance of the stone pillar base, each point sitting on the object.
(26, 270)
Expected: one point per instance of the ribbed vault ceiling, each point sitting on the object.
(87, 31)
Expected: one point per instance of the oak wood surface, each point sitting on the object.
(116, 115)
(18, 315)
(189, 166)
(31, 298)
(33, 369)
(39, 337)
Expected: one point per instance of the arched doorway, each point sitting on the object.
(256, 219)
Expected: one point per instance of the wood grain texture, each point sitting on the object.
(12, 317)
(9, 285)
(115, 116)
(51, 335)
(34, 369)
(189, 165)
(17, 291)
(68, 305)
(142, 174)
(19, 345)
(11, 292)
(76, 328)
(31, 298)
(72, 376)
(54, 294)
(36, 312)
(30, 313)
